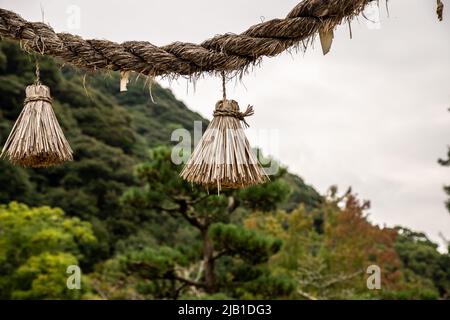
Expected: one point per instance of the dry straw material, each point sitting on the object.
(440, 10)
(36, 140)
(223, 158)
(228, 52)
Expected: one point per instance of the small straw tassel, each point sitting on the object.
(36, 140)
(223, 158)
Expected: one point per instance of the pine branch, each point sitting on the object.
(188, 281)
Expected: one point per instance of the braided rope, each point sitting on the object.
(222, 53)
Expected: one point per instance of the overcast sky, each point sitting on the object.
(372, 114)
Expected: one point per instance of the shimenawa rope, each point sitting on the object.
(228, 52)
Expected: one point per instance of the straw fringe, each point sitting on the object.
(36, 139)
(223, 158)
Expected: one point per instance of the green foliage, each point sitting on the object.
(248, 244)
(203, 230)
(161, 181)
(268, 286)
(44, 277)
(265, 197)
(300, 193)
(421, 257)
(18, 182)
(215, 296)
(153, 263)
(446, 163)
(330, 262)
(36, 247)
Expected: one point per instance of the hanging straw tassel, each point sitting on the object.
(223, 158)
(36, 140)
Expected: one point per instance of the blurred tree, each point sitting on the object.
(356, 243)
(36, 247)
(327, 251)
(422, 258)
(17, 180)
(44, 276)
(446, 163)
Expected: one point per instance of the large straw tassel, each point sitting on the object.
(36, 140)
(223, 158)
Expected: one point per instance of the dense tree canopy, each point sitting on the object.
(36, 247)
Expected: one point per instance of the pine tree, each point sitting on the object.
(446, 188)
(228, 254)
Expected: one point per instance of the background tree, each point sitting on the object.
(36, 247)
(424, 263)
(216, 237)
(327, 251)
(446, 163)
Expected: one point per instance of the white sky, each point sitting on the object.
(372, 114)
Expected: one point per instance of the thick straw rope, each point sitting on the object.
(228, 52)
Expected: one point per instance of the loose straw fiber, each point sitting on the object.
(36, 139)
(223, 158)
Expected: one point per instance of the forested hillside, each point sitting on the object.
(109, 131)
(122, 213)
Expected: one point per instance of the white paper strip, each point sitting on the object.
(124, 79)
